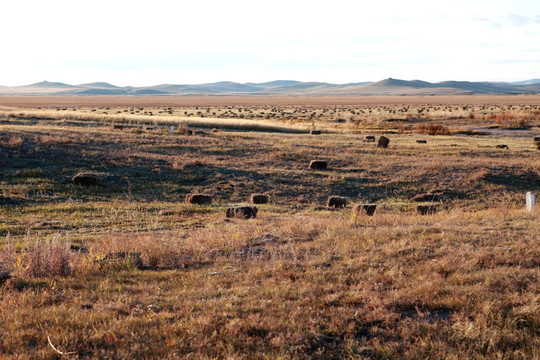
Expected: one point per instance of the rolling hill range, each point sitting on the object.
(283, 88)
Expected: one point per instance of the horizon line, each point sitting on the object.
(276, 80)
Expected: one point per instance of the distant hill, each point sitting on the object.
(527, 82)
(99, 85)
(418, 87)
(99, 91)
(48, 84)
(388, 86)
(276, 84)
(416, 84)
(40, 88)
(147, 92)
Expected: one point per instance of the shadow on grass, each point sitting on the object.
(518, 180)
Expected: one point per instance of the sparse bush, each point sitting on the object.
(184, 130)
(432, 129)
(180, 166)
(45, 258)
(8, 255)
(13, 142)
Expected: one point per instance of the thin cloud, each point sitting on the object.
(478, 18)
(521, 20)
(512, 19)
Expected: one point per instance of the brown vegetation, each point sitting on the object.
(426, 209)
(432, 129)
(127, 269)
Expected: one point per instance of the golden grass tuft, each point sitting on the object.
(432, 129)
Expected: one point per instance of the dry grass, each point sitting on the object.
(289, 114)
(12, 142)
(432, 129)
(183, 122)
(392, 285)
(486, 101)
(296, 282)
(44, 259)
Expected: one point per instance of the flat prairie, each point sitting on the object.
(182, 101)
(120, 266)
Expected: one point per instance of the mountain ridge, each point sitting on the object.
(389, 86)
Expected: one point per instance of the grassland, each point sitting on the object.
(299, 281)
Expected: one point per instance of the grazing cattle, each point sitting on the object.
(242, 212)
(198, 199)
(318, 165)
(383, 142)
(86, 179)
(426, 197)
(367, 209)
(259, 199)
(369, 138)
(336, 202)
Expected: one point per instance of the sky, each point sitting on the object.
(142, 43)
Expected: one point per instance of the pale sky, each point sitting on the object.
(179, 42)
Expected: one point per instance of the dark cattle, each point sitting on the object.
(368, 209)
(383, 142)
(426, 197)
(336, 202)
(86, 179)
(198, 199)
(369, 138)
(318, 165)
(242, 212)
(259, 199)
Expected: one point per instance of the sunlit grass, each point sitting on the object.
(298, 281)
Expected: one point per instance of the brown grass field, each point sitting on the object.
(315, 101)
(298, 281)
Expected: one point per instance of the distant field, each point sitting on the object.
(299, 280)
(127, 101)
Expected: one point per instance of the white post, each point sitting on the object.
(529, 201)
(172, 129)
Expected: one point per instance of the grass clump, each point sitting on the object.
(38, 258)
(432, 129)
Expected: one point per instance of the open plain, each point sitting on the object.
(120, 266)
